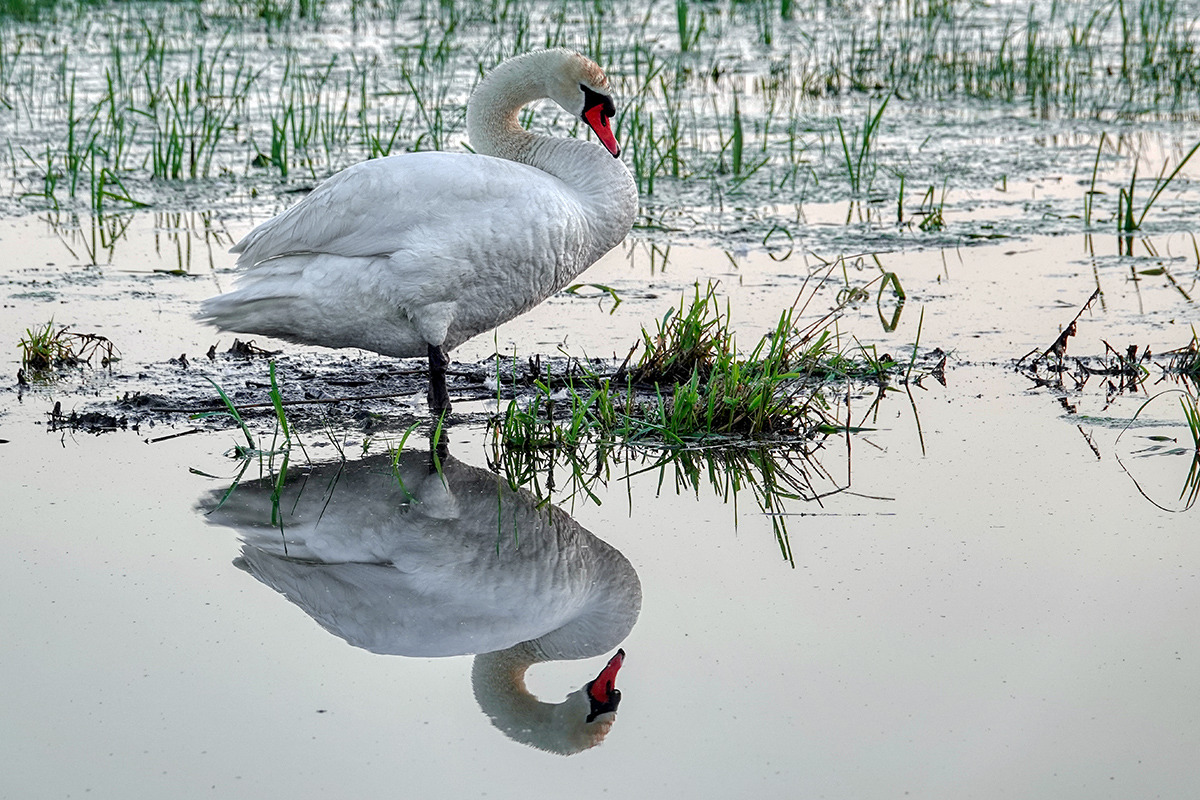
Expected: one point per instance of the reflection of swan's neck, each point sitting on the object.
(499, 683)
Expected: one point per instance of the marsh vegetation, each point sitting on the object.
(740, 120)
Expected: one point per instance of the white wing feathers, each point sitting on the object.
(427, 204)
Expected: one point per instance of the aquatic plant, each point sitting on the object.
(723, 106)
(1126, 223)
(230, 410)
(858, 150)
(47, 346)
(691, 382)
(273, 459)
(1185, 360)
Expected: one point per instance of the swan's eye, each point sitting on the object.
(592, 98)
(603, 706)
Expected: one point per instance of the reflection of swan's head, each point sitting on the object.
(400, 560)
(580, 721)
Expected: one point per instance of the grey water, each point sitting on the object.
(988, 589)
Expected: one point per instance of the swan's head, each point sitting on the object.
(588, 713)
(579, 722)
(582, 89)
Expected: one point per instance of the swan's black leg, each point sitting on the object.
(439, 398)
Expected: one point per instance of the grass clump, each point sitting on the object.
(692, 383)
(1186, 360)
(44, 347)
(47, 347)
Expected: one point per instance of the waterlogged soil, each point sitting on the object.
(987, 588)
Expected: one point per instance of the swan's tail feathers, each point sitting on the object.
(291, 297)
(317, 298)
(265, 315)
(268, 305)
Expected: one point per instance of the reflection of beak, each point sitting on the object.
(597, 120)
(603, 691)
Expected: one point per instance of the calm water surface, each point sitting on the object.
(1001, 614)
(996, 595)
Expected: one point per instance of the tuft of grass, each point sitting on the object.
(931, 212)
(281, 444)
(1186, 360)
(692, 383)
(687, 340)
(689, 29)
(47, 347)
(857, 152)
(284, 434)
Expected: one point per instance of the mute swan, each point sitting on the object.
(418, 563)
(412, 255)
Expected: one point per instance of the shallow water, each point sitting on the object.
(994, 594)
(987, 607)
(991, 108)
(1015, 602)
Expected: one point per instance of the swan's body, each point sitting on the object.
(450, 564)
(414, 254)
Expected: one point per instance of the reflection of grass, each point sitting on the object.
(773, 475)
(1191, 413)
(1191, 485)
(1190, 492)
(280, 448)
(1186, 360)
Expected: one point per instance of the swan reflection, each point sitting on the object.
(409, 561)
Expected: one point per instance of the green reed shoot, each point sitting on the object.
(738, 137)
(688, 29)
(1090, 195)
(1125, 212)
(857, 150)
(232, 412)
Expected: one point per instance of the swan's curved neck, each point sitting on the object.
(600, 183)
(499, 683)
(492, 124)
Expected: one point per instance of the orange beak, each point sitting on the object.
(597, 120)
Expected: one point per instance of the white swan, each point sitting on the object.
(412, 255)
(418, 563)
